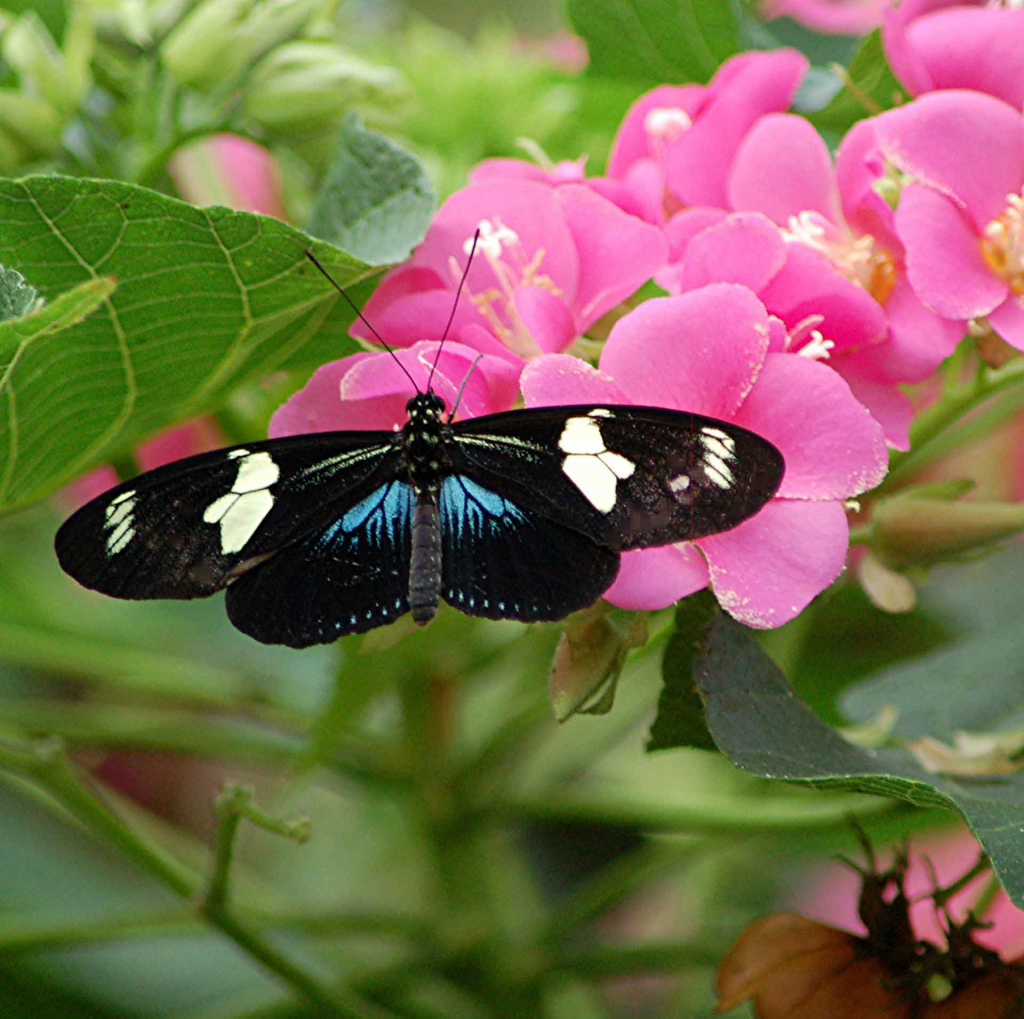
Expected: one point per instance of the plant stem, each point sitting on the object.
(47, 766)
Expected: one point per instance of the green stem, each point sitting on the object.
(952, 405)
(47, 767)
(721, 817)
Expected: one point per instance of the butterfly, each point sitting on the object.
(518, 515)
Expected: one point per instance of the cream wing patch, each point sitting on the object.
(588, 463)
(241, 511)
(118, 524)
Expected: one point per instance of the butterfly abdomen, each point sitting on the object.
(425, 559)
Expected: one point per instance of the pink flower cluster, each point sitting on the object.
(803, 292)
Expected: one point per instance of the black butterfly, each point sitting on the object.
(521, 515)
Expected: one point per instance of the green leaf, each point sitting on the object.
(17, 297)
(761, 726)
(680, 720)
(972, 685)
(870, 88)
(375, 201)
(206, 300)
(654, 41)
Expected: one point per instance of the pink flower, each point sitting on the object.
(831, 894)
(229, 170)
(878, 330)
(975, 44)
(550, 263)
(708, 351)
(370, 390)
(676, 144)
(961, 218)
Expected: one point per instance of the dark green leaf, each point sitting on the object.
(17, 297)
(680, 720)
(761, 726)
(206, 299)
(972, 685)
(656, 41)
(375, 201)
(870, 88)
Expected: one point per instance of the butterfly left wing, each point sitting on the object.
(627, 477)
(192, 527)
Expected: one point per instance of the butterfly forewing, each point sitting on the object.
(628, 477)
(504, 561)
(187, 529)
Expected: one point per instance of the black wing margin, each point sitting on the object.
(189, 528)
(628, 477)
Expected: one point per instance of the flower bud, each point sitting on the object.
(303, 84)
(220, 38)
(913, 531)
(32, 125)
(29, 48)
(588, 660)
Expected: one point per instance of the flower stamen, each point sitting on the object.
(1002, 243)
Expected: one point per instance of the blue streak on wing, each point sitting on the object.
(382, 516)
(469, 507)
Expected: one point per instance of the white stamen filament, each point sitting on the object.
(1003, 243)
(817, 348)
(667, 122)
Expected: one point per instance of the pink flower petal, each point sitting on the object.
(767, 570)
(698, 352)
(859, 166)
(654, 578)
(782, 168)
(808, 284)
(685, 225)
(632, 142)
(833, 448)
(966, 145)
(533, 210)
(553, 380)
(944, 261)
(547, 318)
(618, 252)
(919, 340)
(1008, 320)
(744, 248)
(887, 403)
(980, 48)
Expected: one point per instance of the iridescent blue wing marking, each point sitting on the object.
(347, 577)
(503, 561)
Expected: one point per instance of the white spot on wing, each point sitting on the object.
(600, 412)
(581, 435)
(588, 464)
(241, 511)
(118, 524)
(680, 483)
(719, 451)
(593, 479)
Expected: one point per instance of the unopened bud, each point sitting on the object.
(43, 70)
(302, 84)
(911, 531)
(588, 660)
(220, 38)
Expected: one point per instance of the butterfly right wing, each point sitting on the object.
(190, 528)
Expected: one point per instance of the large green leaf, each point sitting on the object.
(206, 299)
(764, 728)
(656, 41)
(375, 201)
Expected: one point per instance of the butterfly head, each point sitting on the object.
(425, 406)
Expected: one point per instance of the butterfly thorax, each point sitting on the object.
(423, 442)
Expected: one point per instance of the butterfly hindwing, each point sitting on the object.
(628, 477)
(188, 529)
(504, 561)
(347, 577)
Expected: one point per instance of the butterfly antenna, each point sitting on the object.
(380, 339)
(462, 388)
(455, 305)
